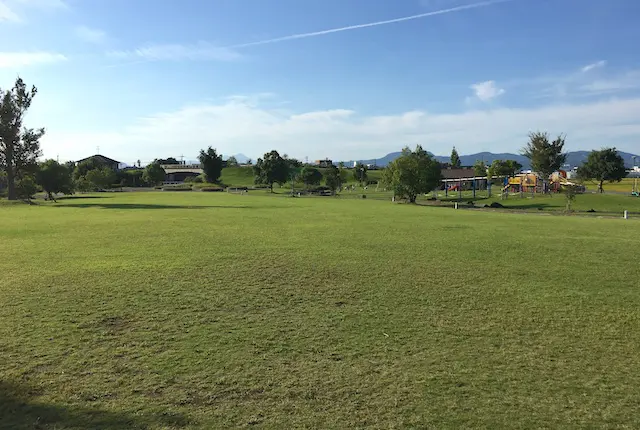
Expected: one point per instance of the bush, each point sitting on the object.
(178, 187)
(212, 189)
(26, 187)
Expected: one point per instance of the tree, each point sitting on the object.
(272, 169)
(360, 173)
(503, 168)
(211, 164)
(19, 147)
(100, 178)
(153, 174)
(604, 165)
(479, 168)
(546, 157)
(232, 162)
(334, 177)
(169, 160)
(55, 178)
(87, 165)
(311, 176)
(413, 173)
(455, 158)
(139, 164)
(25, 187)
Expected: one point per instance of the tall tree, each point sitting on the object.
(153, 174)
(55, 178)
(92, 163)
(604, 165)
(455, 158)
(211, 164)
(360, 173)
(546, 156)
(19, 147)
(413, 173)
(334, 177)
(271, 169)
(310, 176)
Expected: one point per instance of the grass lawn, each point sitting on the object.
(210, 310)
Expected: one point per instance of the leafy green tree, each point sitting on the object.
(455, 158)
(334, 177)
(479, 168)
(310, 176)
(413, 173)
(101, 178)
(153, 174)
(91, 163)
(161, 161)
(19, 147)
(211, 164)
(271, 169)
(504, 168)
(55, 178)
(26, 187)
(603, 166)
(232, 162)
(546, 156)
(360, 173)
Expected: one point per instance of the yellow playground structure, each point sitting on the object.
(532, 183)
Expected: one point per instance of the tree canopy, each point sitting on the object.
(413, 173)
(232, 161)
(310, 176)
(19, 146)
(271, 169)
(55, 178)
(479, 168)
(455, 158)
(161, 161)
(153, 174)
(334, 177)
(546, 156)
(211, 164)
(504, 168)
(603, 166)
(100, 178)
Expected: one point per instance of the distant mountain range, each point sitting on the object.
(574, 159)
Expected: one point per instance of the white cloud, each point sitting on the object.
(592, 66)
(21, 59)
(487, 90)
(237, 126)
(91, 35)
(177, 52)
(8, 14)
(11, 10)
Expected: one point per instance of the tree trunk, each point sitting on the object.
(271, 187)
(412, 198)
(11, 178)
(600, 189)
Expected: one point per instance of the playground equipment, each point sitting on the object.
(532, 183)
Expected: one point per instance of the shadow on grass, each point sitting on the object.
(81, 197)
(143, 206)
(20, 410)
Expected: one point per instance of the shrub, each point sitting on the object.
(212, 189)
(177, 187)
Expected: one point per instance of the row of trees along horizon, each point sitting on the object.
(413, 173)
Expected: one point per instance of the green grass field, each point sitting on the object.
(213, 310)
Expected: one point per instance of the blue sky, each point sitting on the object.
(151, 78)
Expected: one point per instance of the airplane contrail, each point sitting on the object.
(371, 24)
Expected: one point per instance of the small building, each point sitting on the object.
(106, 161)
(324, 163)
